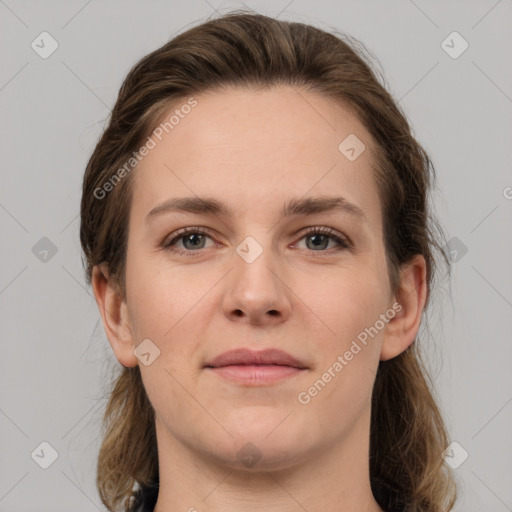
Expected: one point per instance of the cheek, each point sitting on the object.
(339, 308)
(160, 297)
(169, 309)
(348, 349)
(163, 311)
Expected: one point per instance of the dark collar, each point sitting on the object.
(146, 498)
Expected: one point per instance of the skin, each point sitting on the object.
(256, 150)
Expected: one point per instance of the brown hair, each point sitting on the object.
(243, 49)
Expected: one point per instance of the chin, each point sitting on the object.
(263, 455)
(261, 422)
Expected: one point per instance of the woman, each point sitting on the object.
(256, 231)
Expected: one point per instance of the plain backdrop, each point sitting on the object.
(55, 358)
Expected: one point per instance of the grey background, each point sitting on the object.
(55, 356)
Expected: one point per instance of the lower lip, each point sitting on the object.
(256, 374)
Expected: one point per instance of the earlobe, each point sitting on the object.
(402, 329)
(115, 316)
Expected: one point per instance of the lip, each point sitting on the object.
(249, 367)
(244, 356)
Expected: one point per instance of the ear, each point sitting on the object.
(401, 330)
(114, 314)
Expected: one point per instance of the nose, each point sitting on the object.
(256, 290)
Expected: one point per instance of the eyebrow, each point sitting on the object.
(211, 206)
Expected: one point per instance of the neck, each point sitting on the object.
(335, 477)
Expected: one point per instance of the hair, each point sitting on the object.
(241, 49)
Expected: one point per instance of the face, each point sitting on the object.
(253, 278)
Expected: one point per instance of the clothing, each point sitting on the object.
(147, 496)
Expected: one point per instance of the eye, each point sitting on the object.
(193, 239)
(321, 236)
(193, 236)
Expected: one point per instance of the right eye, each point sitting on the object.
(192, 235)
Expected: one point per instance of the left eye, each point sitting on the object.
(319, 236)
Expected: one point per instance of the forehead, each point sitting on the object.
(255, 150)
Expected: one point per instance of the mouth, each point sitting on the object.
(251, 368)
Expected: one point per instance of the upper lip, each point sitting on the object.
(245, 356)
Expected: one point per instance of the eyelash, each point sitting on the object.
(317, 230)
